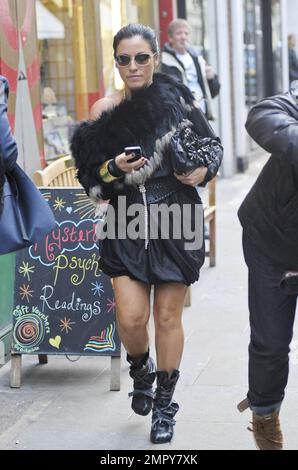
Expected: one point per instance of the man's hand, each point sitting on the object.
(210, 73)
(193, 178)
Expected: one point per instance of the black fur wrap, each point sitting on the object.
(148, 119)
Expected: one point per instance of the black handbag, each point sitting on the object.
(189, 151)
(26, 216)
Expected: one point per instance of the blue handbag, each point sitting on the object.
(26, 216)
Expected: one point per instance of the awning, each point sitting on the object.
(48, 25)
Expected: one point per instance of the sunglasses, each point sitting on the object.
(140, 59)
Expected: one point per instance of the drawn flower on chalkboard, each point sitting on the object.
(65, 324)
(111, 304)
(59, 204)
(97, 289)
(26, 292)
(26, 270)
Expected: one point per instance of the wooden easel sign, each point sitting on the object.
(63, 303)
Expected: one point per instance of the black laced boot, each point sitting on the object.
(164, 409)
(142, 371)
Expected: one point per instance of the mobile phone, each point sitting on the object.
(136, 150)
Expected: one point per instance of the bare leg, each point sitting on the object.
(169, 335)
(169, 340)
(133, 311)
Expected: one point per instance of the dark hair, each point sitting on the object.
(132, 30)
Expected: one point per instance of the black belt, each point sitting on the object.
(158, 189)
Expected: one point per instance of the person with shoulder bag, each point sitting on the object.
(25, 216)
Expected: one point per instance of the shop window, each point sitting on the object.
(253, 52)
(262, 49)
(196, 15)
(277, 45)
(201, 16)
(68, 55)
(75, 40)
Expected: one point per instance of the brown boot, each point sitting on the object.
(267, 432)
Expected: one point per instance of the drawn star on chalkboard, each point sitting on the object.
(111, 304)
(26, 292)
(59, 204)
(97, 289)
(26, 270)
(65, 324)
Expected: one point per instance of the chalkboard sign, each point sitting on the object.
(63, 303)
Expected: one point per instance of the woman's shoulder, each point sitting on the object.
(106, 104)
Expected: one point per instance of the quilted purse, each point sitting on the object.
(189, 151)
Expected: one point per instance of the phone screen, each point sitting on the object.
(136, 150)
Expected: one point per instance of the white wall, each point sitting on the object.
(285, 7)
(292, 17)
(238, 70)
(225, 96)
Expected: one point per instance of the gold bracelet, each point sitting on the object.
(105, 174)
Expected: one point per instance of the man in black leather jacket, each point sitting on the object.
(269, 217)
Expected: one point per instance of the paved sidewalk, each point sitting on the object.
(68, 405)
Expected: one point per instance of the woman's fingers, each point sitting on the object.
(194, 178)
(139, 163)
(122, 161)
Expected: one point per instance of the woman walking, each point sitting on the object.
(146, 114)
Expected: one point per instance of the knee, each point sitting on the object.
(134, 321)
(166, 319)
(269, 349)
